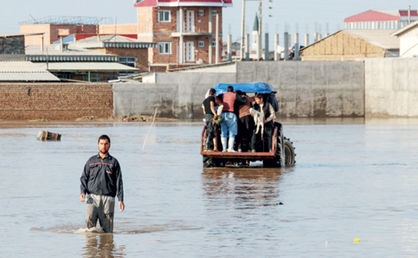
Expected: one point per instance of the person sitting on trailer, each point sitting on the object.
(267, 112)
(210, 114)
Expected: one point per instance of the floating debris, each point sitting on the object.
(48, 136)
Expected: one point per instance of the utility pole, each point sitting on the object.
(260, 25)
(242, 30)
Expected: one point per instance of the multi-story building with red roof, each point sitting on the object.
(186, 31)
(381, 20)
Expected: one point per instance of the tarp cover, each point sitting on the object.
(252, 87)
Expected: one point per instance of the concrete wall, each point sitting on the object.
(54, 101)
(177, 95)
(311, 89)
(306, 89)
(391, 87)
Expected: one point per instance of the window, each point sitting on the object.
(213, 43)
(201, 12)
(164, 48)
(128, 60)
(164, 16)
(201, 43)
(214, 12)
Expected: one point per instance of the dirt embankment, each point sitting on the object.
(136, 118)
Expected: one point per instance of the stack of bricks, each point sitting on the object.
(55, 101)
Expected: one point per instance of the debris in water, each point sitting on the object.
(48, 136)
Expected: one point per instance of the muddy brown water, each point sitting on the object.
(352, 180)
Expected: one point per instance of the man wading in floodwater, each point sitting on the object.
(102, 181)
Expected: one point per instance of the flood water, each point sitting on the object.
(351, 180)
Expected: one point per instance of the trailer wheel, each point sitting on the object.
(208, 162)
(289, 150)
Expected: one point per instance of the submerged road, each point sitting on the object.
(351, 180)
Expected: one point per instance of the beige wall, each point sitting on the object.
(36, 40)
(118, 29)
(409, 43)
(51, 32)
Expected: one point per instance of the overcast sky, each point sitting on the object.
(295, 15)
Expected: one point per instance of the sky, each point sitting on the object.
(294, 16)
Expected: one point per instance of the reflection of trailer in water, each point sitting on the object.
(282, 153)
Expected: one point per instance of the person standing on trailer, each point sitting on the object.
(229, 125)
(245, 123)
(210, 115)
(102, 181)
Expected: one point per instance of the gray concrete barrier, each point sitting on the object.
(305, 89)
(391, 87)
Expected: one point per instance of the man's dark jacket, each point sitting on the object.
(102, 177)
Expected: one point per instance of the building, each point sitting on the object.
(186, 31)
(47, 30)
(12, 44)
(88, 60)
(128, 50)
(380, 20)
(408, 37)
(353, 45)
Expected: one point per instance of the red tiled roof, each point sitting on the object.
(405, 12)
(151, 3)
(371, 15)
(145, 3)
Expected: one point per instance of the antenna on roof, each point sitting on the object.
(116, 28)
(36, 21)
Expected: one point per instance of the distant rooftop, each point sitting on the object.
(381, 15)
(111, 41)
(203, 3)
(79, 20)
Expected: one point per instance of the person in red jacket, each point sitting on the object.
(229, 125)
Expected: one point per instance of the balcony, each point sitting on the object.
(194, 34)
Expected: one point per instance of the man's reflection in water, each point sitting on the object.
(243, 188)
(101, 245)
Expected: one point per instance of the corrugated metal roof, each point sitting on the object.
(56, 50)
(25, 71)
(93, 67)
(380, 38)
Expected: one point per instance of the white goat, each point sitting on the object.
(258, 120)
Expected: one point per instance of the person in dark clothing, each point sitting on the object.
(268, 115)
(102, 181)
(245, 123)
(210, 115)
